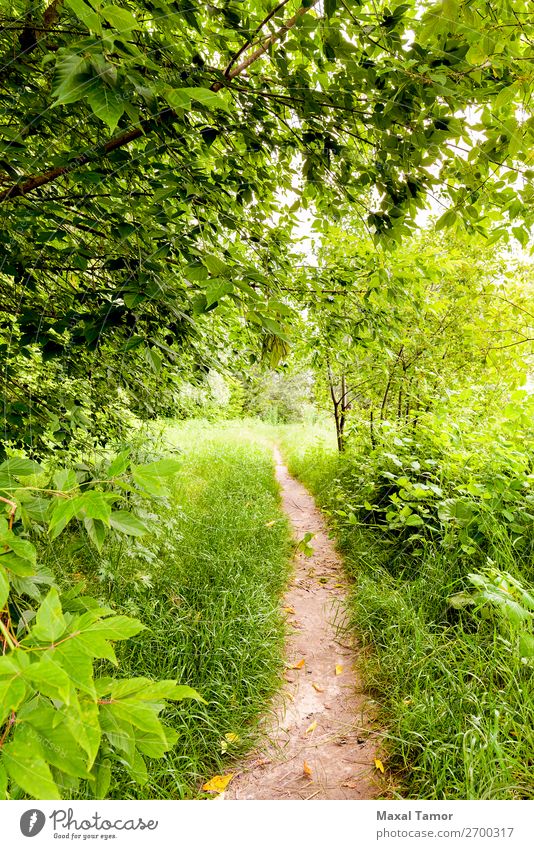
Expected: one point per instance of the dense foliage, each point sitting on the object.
(437, 528)
(62, 723)
(155, 155)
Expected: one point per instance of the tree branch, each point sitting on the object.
(263, 48)
(258, 29)
(166, 116)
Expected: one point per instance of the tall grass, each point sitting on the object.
(456, 703)
(207, 583)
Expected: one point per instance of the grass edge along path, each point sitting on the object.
(458, 709)
(207, 582)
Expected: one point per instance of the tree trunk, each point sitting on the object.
(340, 407)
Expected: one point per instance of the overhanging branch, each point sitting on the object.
(165, 116)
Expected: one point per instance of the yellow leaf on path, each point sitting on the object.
(312, 727)
(339, 669)
(218, 783)
(316, 687)
(289, 609)
(306, 769)
(298, 665)
(379, 765)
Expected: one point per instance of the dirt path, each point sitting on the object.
(318, 740)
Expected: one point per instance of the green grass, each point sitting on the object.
(456, 705)
(207, 583)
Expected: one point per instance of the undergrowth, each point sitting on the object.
(449, 665)
(206, 582)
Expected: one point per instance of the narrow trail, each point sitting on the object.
(320, 718)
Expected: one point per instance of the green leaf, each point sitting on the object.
(3, 783)
(73, 657)
(216, 290)
(119, 464)
(127, 523)
(65, 479)
(211, 99)
(447, 219)
(4, 587)
(86, 15)
(214, 264)
(119, 18)
(96, 531)
(116, 627)
(49, 623)
(154, 359)
(178, 98)
(414, 520)
(72, 79)
(86, 728)
(102, 779)
(106, 103)
(456, 510)
(17, 565)
(506, 95)
(50, 731)
(23, 548)
(63, 511)
(147, 690)
(49, 678)
(150, 477)
(526, 645)
(120, 734)
(25, 763)
(12, 694)
(329, 7)
(20, 467)
(142, 715)
(95, 505)
(196, 273)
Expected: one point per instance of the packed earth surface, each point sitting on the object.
(319, 741)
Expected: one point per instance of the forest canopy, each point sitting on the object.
(156, 157)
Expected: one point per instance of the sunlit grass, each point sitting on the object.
(456, 706)
(207, 584)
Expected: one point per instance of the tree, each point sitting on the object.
(154, 156)
(431, 318)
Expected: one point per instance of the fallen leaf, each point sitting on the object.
(316, 687)
(218, 783)
(312, 727)
(231, 737)
(379, 765)
(298, 665)
(339, 669)
(289, 609)
(306, 769)
(270, 524)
